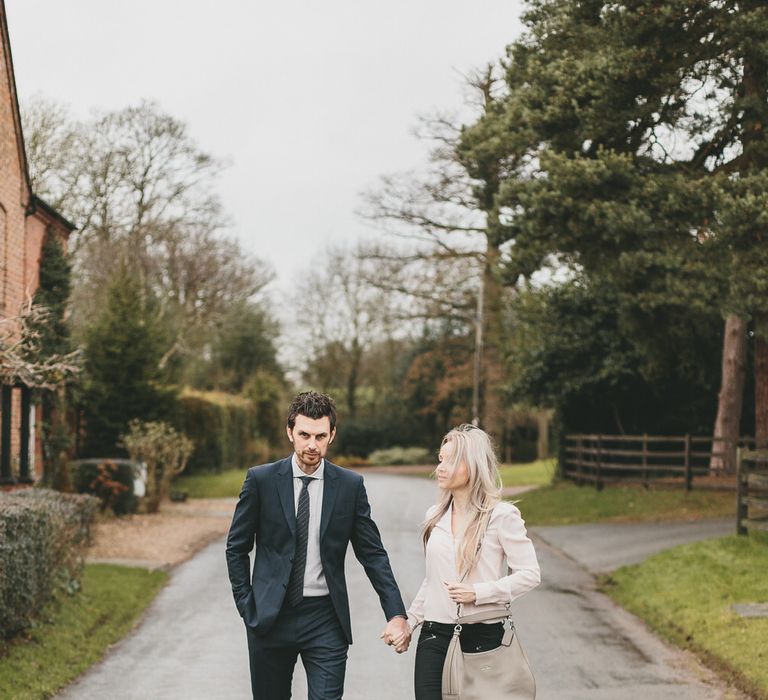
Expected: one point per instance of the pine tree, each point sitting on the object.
(647, 122)
(122, 356)
(53, 293)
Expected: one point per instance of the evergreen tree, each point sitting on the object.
(53, 293)
(122, 355)
(244, 346)
(646, 143)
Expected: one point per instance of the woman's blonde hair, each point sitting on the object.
(472, 446)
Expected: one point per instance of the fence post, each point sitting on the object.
(741, 489)
(687, 457)
(645, 460)
(598, 476)
(579, 465)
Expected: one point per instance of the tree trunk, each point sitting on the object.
(543, 421)
(761, 380)
(492, 375)
(356, 356)
(731, 396)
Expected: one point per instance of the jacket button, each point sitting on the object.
(285, 585)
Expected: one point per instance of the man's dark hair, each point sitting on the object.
(312, 405)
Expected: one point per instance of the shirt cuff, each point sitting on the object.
(484, 593)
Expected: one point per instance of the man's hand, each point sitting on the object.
(460, 592)
(397, 633)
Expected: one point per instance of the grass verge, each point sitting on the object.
(224, 484)
(686, 594)
(75, 631)
(566, 504)
(538, 473)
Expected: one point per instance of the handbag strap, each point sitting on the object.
(484, 616)
(477, 552)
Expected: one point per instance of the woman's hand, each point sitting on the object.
(460, 592)
(397, 634)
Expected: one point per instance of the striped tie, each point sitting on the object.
(296, 582)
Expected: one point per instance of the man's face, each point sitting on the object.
(311, 438)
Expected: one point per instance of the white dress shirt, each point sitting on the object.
(506, 548)
(314, 578)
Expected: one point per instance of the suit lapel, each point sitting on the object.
(329, 496)
(285, 491)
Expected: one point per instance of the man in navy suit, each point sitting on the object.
(302, 512)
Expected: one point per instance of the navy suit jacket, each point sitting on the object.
(266, 514)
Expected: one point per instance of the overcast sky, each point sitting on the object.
(309, 101)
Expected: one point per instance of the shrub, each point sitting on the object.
(110, 480)
(165, 453)
(401, 455)
(43, 537)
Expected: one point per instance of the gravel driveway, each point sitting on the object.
(191, 643)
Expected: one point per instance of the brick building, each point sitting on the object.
(25, 220)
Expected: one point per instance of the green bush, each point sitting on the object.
(110, 480)
(401, 455)
(361, 436)
(223, 428)
(43, 537)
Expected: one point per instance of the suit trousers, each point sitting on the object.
(433, 646)
(311, 630)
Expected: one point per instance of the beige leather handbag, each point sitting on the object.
(503, 672)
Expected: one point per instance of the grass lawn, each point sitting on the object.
(225, 484)
(686, 594)
(75, 631)
(565, 504)
(539, 473)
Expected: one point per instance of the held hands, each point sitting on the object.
(460, 592)
(397, 633)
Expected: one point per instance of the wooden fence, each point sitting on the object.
(601, 459)
(752, 510)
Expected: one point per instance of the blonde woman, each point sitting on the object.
(472, 540)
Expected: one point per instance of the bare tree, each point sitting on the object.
(142, 194)
(55, 146)
(21, 359)
(339, 318)
(449, 215)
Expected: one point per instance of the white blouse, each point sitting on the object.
(506, 568)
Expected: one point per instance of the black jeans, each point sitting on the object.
(433, 646)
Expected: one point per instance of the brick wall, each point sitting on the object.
(21, 233)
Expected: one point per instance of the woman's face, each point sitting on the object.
(445, 479)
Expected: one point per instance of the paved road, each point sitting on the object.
(601, 548)
(191, 644)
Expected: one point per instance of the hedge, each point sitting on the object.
(224, 428)
(43, 537)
